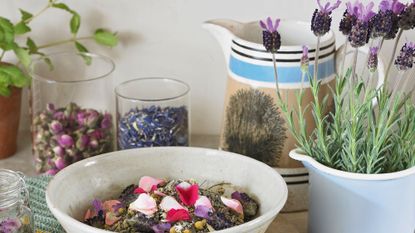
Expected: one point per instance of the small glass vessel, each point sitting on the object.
(152, 112)
(15, 214)
(71, 107)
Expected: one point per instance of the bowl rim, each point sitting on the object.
(258, 221)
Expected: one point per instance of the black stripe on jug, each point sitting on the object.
(294, 175)
(280, 60)
(282, 52)
(297, 182)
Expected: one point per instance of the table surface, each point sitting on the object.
(284, 223)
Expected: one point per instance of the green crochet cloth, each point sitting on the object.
(42, 217)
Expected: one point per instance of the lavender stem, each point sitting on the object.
(401, 75)
(316, 59)
(274, 61)
(392, 58)
(346, 45)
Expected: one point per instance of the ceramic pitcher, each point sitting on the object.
(250, 67)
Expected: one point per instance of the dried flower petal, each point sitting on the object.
(188, 193)
(233, 204)
(169, 203)
(10, 225)
(148, 183)
(65, 141)
(111, 218)
(202, 212)
(203, 201)
(161, 227)
(144, 204)
(174, 215)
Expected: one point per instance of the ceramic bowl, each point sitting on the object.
(72, 190)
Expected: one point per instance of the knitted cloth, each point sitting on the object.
(42, 217)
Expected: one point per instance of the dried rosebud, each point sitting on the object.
(405, 59)
(65, 141)
(106, 121)
(270, 35)
(50, 108)
(56, 127)
(59, 151)
(82, 142)
(321, 21)
(372, 63)
(60, 163)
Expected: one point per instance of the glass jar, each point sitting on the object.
(71, 103)
(15, 214)
(152, 112)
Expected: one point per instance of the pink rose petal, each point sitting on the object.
(147, 183)
(109, 205)
(144, 204)
(203, 201)
(188, 193)
(169, 203)
(233, 204)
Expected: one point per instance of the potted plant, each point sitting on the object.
(13, 76)
(361, 157)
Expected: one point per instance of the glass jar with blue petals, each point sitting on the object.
(152, 112)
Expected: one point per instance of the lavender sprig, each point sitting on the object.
(405, 60)
(360, 31)
(407, 17)
(372, 63)
(272, 43)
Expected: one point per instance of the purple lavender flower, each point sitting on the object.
(305, 60)
(407, 17)
(349, 17)
(321, 21)
(10, 225)
(65, 141)
(97, 204)
(386, 22)
(161, 227)
(270, 35)
(405, 59)
(360, 32)
(372, 63)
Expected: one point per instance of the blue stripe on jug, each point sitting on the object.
(263, 73)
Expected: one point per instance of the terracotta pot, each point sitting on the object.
(9, 122)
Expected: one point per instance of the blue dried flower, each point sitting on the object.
(153, 126)
(405, 59)
(321, 21)
(270, 35)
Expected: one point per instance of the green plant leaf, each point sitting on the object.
(23, 55)
(75, 23)
(31, 45)
(4, 90)
(105, 37)
(15, 75)
(62, 6)
(25, 15)
(6, 34)
(82, 49)
(21, 28)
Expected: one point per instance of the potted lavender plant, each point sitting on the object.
(13, 77)
(361, 157)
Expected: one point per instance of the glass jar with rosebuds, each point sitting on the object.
(71, 103)
(15, 214)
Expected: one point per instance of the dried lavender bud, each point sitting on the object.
(67, 135)
(153, 126)
(305, 60)
(271, 37)
(372, 62)
(407, 18)
(405, 59)
(386, 25)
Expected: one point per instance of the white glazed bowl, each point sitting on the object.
(72, 190)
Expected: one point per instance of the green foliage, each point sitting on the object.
(12, 75)
(105, 37)
(357, 136)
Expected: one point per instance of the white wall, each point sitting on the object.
(164, 38)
